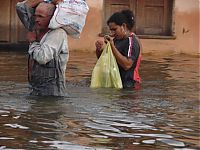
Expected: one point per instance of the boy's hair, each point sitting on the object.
(124, 16)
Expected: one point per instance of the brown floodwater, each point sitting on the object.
(162, 114)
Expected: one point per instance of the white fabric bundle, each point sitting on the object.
(71, 16)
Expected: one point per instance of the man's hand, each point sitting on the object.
(31, 37)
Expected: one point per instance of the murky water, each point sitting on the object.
(163, 114)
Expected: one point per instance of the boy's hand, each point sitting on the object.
(99, 45)
(108, 38)
(99, 48)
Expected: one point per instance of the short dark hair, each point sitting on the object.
(124, 16)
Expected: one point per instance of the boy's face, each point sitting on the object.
(117, 31)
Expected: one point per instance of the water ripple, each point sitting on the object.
(16, 126)
(171, 142)
(63, 145)
(101, 127)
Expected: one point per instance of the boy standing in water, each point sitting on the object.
(125, 47)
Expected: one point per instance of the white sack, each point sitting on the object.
(71, 16)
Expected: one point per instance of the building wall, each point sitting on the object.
(186, 21)
(186, 28)
(92, 28)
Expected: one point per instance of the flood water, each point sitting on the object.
(162, 115)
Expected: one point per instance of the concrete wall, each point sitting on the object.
(186, 21)
(186, 28)
(92, 28)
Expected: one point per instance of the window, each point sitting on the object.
(153, 17)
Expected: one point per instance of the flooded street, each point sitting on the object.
(162, 115)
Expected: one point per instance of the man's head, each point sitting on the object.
(43, 14)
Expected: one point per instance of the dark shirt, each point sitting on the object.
(128, 47)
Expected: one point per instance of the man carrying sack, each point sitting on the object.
(48, 50)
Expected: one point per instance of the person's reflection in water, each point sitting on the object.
(43, 119)
(53, 122)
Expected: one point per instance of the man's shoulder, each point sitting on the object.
(59, 31)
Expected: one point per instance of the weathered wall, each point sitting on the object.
(92, 28)
(186, 27)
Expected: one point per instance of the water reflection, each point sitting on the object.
(163, 114)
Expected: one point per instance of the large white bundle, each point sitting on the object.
(71, 16)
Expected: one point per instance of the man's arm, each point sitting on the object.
(25, 11)
(50, 48)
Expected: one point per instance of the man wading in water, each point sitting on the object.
(48, 50)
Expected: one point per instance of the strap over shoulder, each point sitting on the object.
(140, 44)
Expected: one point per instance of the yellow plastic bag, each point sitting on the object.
(106, 71)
